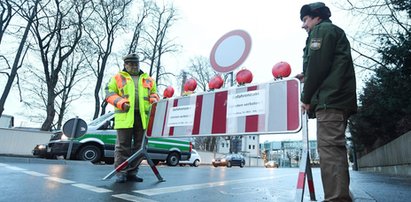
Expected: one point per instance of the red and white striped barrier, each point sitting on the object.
(268, 108)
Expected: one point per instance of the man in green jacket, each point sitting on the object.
(131, 92)
(329, 94)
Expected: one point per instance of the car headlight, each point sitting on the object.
(213, 160)
(64, 137)
(223, 160)
(42, 147)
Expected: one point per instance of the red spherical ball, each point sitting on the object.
(190, 85)
(216, 82)
(281, 69)
(244, 76)
(168, 92)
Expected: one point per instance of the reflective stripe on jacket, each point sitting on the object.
(121, 89)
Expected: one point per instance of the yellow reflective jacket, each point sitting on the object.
(121, 89)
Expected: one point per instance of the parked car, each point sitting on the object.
(194, 160)
(229, 160)
(271, 164)
(99, 141)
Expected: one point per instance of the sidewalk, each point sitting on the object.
(367, 186)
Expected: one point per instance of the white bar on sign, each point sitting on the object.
(246, 103)
(181, 116)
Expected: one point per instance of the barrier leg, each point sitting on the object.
(141, 152)
(305, 167)
(310, 181)
(153, 167)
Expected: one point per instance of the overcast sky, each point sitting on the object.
(274, 27)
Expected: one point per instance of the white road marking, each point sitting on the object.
(165, 190)
(33, 173)
(61, 180)
(15, 168)
(91, 188)
(129, 197)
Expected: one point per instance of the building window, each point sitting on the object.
(253, 137)
(222, 144)
(253, 146)
(249, 146)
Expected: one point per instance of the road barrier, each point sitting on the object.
(268, 108)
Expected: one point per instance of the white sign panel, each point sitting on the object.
(181, 116)
(246, 103)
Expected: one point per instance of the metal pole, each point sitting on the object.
(73, 131)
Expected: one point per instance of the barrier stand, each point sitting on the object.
(142, 152)
(305, 167)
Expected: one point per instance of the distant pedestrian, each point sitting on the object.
(130, 91)
(329, 94)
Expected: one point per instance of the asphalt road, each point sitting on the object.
(30, 179)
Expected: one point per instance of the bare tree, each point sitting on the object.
(157, 42)
(108, 20)
(201, 70)
(73, 73)
(142, 16)
(18, 59)
(378, 19)
(57, 30)
(6, 14)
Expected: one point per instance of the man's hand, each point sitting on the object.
(305, 107)
(126, 106)
(300, 77)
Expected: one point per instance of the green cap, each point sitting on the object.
(132, 57)
(317, 9)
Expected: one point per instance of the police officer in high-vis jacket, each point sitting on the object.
(130, 91)
(329, 94)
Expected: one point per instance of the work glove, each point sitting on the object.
(125, 106)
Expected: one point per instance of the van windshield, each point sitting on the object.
(98, 120)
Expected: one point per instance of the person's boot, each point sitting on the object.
(121, 178)
(134, 178)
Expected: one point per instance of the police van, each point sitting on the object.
(99, 141)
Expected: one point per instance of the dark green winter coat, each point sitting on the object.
(329, 77)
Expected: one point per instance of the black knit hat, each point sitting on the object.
(317, 9)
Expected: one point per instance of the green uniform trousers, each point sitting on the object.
(331, 125)
(128, 142)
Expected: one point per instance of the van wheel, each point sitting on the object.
(90, 153)
(196, 163)
(173, 159)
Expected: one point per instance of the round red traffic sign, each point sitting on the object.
(230, 51)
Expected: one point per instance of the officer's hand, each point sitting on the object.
(305, 107)
(300, 77)
(126, 106)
